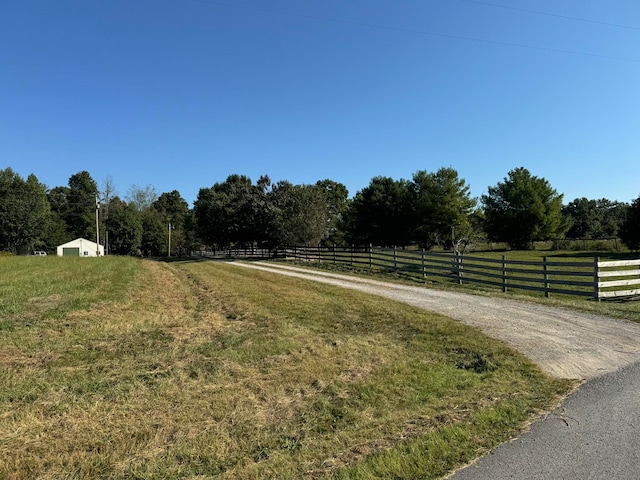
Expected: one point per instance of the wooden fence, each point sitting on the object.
(587, 278)
(622, 278)
(246, 252)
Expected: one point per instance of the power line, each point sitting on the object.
(566, 17)
(422, 32)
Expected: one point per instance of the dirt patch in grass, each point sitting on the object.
(14, 358)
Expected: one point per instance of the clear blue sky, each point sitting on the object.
(178, 94)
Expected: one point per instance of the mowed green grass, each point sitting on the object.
(120, 368)
(37, 288)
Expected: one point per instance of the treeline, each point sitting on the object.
(432, 208)
(34, 217)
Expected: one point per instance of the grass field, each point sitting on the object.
(121, 368)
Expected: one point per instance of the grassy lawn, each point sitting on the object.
(120, 368)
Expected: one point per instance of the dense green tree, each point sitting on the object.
(204, 212)
(381, 213)
(237, 212)
(192, 241)
(442, 206)
(615, 214)
(337, 199)
(594, 218)
(584, 217)
(154, 233)
(80, 212)
(58, 230)
(630, 230)
(523, 209)
(227, 213)
(24, 212)
(173, 210)
(300, 214)
(264, 212)
(125, 228)
(232, 212)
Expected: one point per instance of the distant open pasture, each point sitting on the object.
(125, 368)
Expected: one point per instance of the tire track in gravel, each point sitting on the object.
(563, 343)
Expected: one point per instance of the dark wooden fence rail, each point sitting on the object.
(581, 278)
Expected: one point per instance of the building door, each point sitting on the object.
(70, 252)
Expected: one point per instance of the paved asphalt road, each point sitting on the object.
(594, 434)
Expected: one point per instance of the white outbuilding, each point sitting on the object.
(80, 247)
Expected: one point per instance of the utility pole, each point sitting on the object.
(169, 238)
(97, 228)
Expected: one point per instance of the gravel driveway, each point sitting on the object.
(594, 434)
(564, 343)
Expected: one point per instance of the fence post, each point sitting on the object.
(352, 249)
(459, 266)
(334, 254)
(504, 273)
(424, 268)
(395, 258)
(370, 256)
(546, 276)
(596, 279)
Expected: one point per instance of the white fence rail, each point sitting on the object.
(620, 278)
